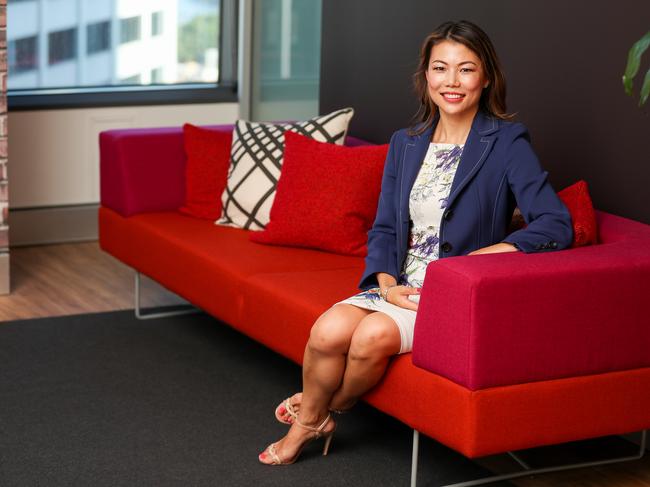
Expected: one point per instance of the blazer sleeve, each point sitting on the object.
(382, 251)
(549, 222)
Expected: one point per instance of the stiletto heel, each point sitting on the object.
(328, 440)
(272, 451)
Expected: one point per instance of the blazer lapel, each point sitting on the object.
(477, 147)
(414, 153)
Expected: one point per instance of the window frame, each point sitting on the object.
(130, 29)
(57, 41)
(104, 26)
(223, 91)
(16, 65)
(157, 23)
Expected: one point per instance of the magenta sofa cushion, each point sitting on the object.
(490, 329)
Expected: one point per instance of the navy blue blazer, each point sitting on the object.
(498, 170)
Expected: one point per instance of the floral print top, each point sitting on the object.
(427, 203)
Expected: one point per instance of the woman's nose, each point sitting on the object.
(452, 79)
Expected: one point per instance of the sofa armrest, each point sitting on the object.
(501, 319)
(143, 170)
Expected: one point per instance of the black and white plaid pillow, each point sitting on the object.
(256, 160)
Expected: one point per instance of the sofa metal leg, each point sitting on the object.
(519, 460)
(141, 315)
(414, 458)
(527, 469)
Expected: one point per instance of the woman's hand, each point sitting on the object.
(495, 249)
(399, 296)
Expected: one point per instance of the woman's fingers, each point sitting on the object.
(407, 290)
(405, 302)
(401, 297)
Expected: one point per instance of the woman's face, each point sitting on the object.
(455, 78)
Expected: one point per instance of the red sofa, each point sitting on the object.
(511, 351)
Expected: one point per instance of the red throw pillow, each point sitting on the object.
(577, 200)
(206, 171)
(326, 196)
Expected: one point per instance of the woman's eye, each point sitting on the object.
(438, 68)
(466, 70)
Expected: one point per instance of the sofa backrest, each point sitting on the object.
(613, 228)
(143, 170)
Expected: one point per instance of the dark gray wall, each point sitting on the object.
(563, 62)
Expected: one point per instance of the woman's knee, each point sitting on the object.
(332, 331)
(376, 337)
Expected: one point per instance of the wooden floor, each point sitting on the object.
(65, 279)
(56, 280)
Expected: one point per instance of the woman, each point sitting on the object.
(449, 188)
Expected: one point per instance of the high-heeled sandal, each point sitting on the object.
(272, 451)
(290, 410)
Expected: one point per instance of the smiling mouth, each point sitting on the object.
(453, 96)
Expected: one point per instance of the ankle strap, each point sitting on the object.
(317, 429)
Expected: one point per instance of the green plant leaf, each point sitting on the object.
(634, 61)
(645, 89)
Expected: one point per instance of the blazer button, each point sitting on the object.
(446, 247)
(448, 214)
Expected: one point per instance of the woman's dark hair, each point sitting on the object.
(493, 98)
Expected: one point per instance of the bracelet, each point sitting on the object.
(384, 293)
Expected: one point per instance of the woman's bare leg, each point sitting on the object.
(323, 368)
(324, 361)
(373, 342)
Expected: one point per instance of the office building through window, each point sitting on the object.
(86, 43)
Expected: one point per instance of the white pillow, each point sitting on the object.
(256, 158)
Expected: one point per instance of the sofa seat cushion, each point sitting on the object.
(277, 305)
(296, 299)
(203, 262)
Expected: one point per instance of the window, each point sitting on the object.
(62, 45)
(156, 24)
(157, 75)
(288, 50)
(98, 37)
(188, 48)
(23, 54)
(132, 80)
(129, 29)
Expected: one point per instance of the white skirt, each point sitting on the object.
(403, 318)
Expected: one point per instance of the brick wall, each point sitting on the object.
(4, 183)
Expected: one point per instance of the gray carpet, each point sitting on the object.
(107, 400)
